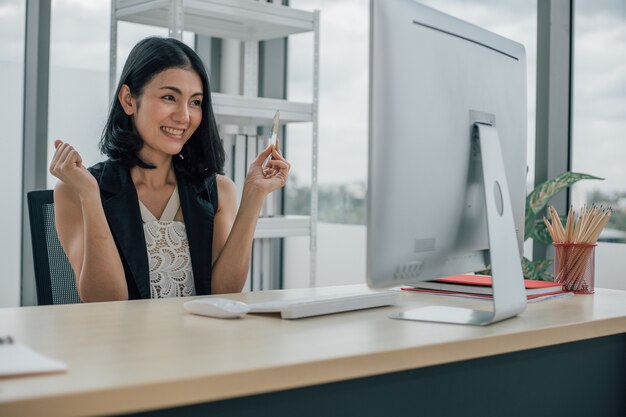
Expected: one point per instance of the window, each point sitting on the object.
(599, 126)
(79, 72)
(599, 123)
(343, 104)
(78, 95)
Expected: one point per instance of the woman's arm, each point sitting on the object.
(83, 230)
(233, 229)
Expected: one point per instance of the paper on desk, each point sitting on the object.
(17, 359)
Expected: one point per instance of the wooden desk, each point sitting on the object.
(134, 356)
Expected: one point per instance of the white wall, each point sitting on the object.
(11, 109)
(12, 24)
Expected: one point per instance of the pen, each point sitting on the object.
(274, 135)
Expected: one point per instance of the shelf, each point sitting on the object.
(244, 20)
(283, 226)
(258, 111)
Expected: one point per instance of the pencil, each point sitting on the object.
(574, 244)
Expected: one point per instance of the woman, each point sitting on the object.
(148, 222)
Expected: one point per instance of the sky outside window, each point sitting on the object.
(599, 122)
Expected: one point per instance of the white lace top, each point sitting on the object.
(168, 252)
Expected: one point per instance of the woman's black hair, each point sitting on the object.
(203, 154)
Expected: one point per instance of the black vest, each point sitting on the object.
(198, 202)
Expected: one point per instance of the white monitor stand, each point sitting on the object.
(509, 295)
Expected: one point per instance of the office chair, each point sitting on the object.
(54, 277)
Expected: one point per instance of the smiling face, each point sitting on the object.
(167, 112)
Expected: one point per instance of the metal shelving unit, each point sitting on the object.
(283, 226)
(247, 21)
(243, 20)
(258, 111)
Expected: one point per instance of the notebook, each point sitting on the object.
(17, 359)
(481, 284)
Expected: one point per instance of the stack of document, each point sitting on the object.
(479, 286)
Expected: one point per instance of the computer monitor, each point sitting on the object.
(447, 156)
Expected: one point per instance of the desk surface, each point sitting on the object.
(147, 354)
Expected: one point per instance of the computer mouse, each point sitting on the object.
(222, 308)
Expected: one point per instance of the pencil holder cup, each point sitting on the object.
(574, 266)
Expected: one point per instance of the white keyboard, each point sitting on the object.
(325, 304)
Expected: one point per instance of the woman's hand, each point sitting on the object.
(234, 228)
(266, 175)
(67, 165)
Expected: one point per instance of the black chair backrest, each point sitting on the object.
(53, 273)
